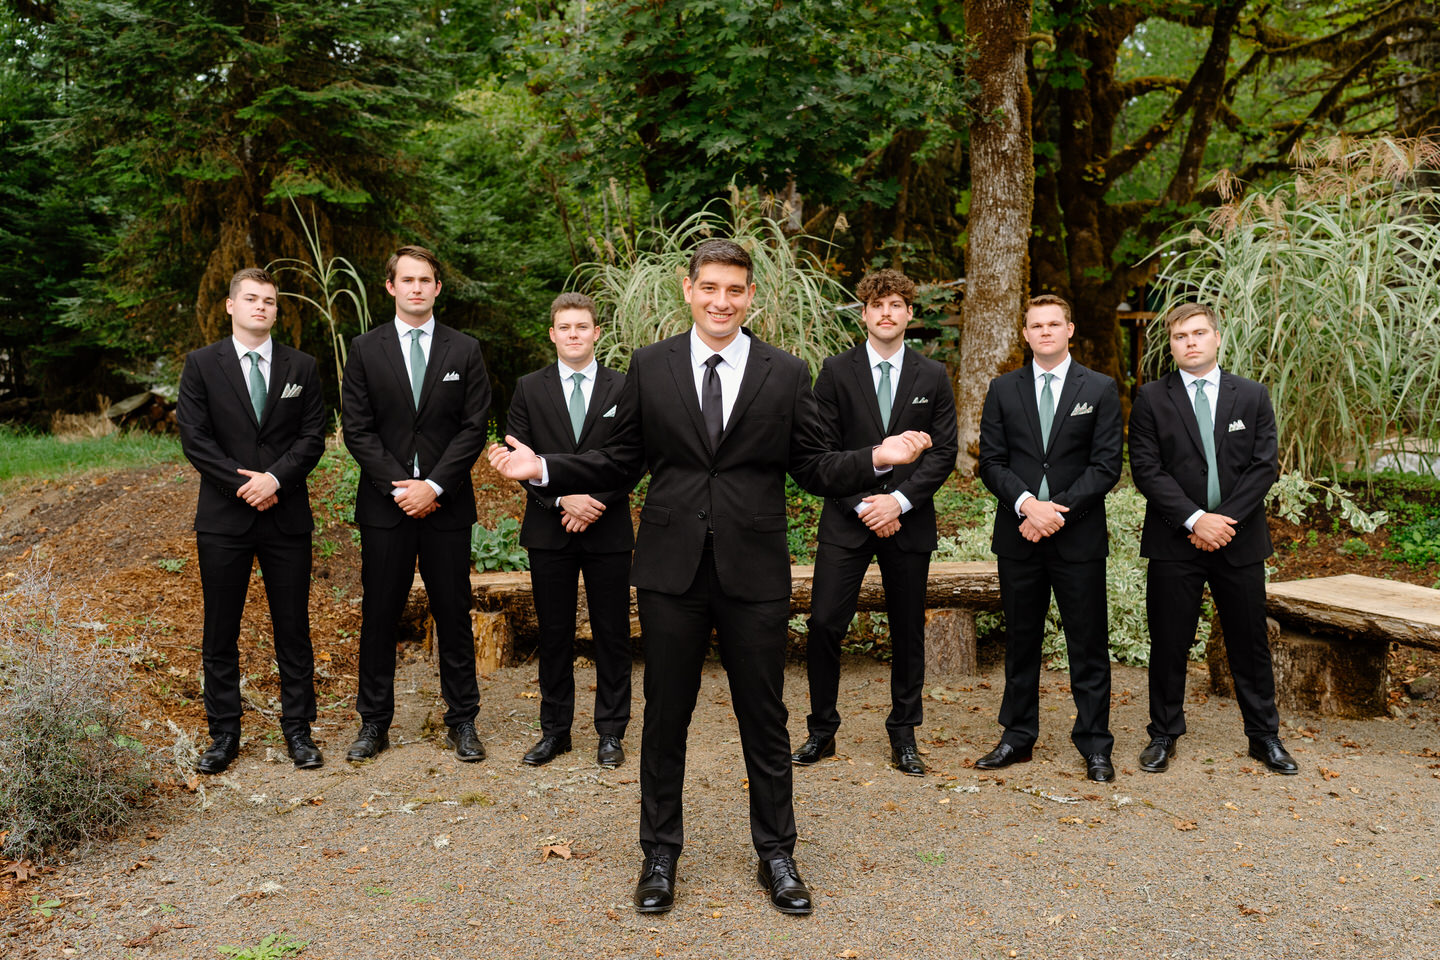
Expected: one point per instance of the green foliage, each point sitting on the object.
(1328, 289)
(43, 456)
(171, 564)
(802, 528)
(498, 549)
(333, 486)
(274, 946)
(1416, 543)
(700, 93)
(1124, 574)
(69, 774)
(641, 299)
(1292, 494)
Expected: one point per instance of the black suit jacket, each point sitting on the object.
(1082, 459)
(539, 417)
(1168, 464)
(850, 415)
(384, 429)
(737, 490)
(220, 435)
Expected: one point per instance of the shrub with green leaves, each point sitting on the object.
(640, 299)
(498, 549)
(69, 775)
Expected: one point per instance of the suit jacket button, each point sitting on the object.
(1046, 466)
(714, 473)
(700, 515)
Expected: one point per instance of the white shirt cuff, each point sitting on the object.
(1190, 520)
(273, 477)
(544, 480)
(903, 500)
(435, 486)
(1020, 500)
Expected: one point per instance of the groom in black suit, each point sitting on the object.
(252, 421)
(865, 394)
(1050, 450)
(718, 417)
(570, 407)
(1204, 452)
(415, 400)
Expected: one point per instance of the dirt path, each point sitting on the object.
(417, 856)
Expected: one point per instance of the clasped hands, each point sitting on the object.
(259, 491)
(578, 511)
(1042, 518)
(1212, 531)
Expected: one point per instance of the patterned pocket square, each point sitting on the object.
(608, 413)
(452, 375)
(1081, 409)
(291, 390)
(919, 400)
(1236, 425)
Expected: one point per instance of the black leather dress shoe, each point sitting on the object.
(906, 759)
(547, 748)
(467, 744)
(609, 754)
(655, 891)
(788, 892)
(303, 751)
(813, 750)
(371, 739)
(1003, 755)
(222, 750)
(1099, 768)
(1271, 752)
(1157, 754)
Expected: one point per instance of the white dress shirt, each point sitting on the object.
(1059, 373)
(266, 351)
(895, 361)
(731, 369)
(427, 339)
(1211, 381)
(567, 387)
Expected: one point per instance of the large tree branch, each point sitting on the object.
(1131, 89)
(1211, 76)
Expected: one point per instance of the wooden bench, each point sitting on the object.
(1330, 640)
(504, 612)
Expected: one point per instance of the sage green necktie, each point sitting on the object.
(882, 394)
(1206, 422)
(1047, 417)
(577, 405)
(257, 384)
(417, 366)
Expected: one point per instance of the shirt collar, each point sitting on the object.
(588, 372)
(733, 355)
(266, 349)
(875, 358)
(403, 328)
(1060, 372)
(1212, 378)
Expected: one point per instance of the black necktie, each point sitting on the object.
(711, 405)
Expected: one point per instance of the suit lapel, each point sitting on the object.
(865, 383)
(599, 401)
(679, 358)
(279, 376)
(757, 368)
(390, 347)
(1224, 407)
(1073, 383)
(555, 393)
(231, 369)
(900, 396)
(439, 350)
(1185, 410)
(1025, 384)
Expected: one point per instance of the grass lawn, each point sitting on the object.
(29, 456)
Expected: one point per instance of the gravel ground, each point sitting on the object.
(416, 856)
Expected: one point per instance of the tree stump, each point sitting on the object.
(493, 640)
(1331, 676)
(950, 643)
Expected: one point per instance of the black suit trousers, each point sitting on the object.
(838, 573)
(1079, 590)
(555, 583)
(387, 568)
(1172, 603)
(225, 564)
(752, 636)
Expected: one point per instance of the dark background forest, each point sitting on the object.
(149, 148)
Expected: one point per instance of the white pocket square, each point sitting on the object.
(919, 400)
(1081, 409)
(452, 375)
(1236, 425)
(291, 390)
(608, 413)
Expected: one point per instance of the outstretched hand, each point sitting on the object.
(901, 448)
(517, 463)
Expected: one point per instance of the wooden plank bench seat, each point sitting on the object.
(1330, 640)
(504, 612)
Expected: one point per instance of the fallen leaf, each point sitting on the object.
(1184, 825)
(848, 954)
(561, 850)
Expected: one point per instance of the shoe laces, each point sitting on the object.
(369, 731)
(658, 863)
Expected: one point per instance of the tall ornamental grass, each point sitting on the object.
(638, 291)
(1328, 289)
